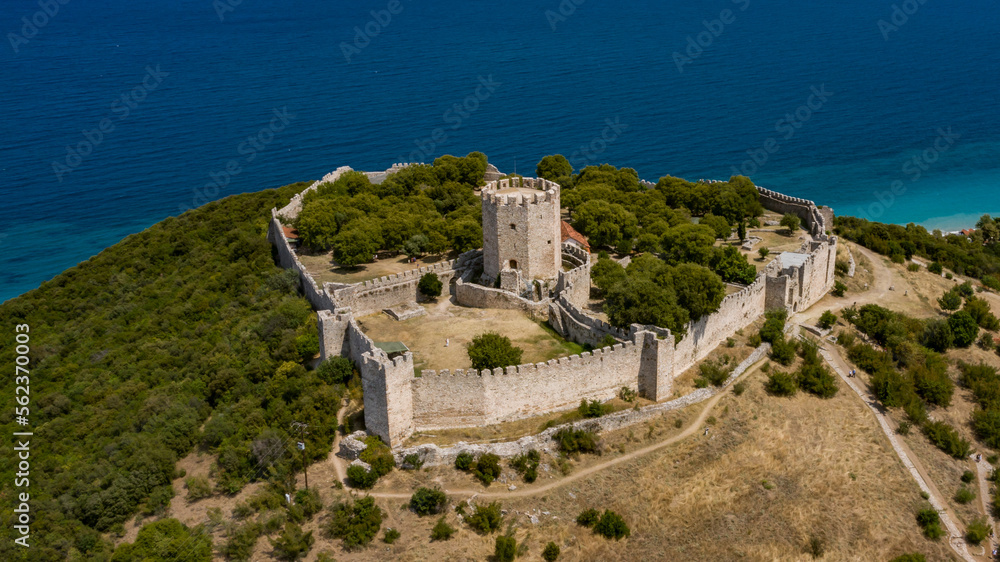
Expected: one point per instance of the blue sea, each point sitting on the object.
(121, 113)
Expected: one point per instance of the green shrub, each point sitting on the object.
(427, 501)
(827, 320)
(592, 409)
(930, 521)
(951, 300)
(412, 461)
(378, 455)
(964, 495)
(714, 373)
(390, 536)
(968, 476)
(292, 544)
(626, 394)
(336, 370)
(485, 519)
(505, 549)
(783, 350)
(913, 267)
(903, 428)
(936, 268)
(839, 289)
(977, 531)
(754, 340)
(309, 502)
(361, 478)
(430, 285)
(964, 327)
(464, 461)
(612, 526)
(780, 384)
(487, 468)
(355, 523)
(739, 388)
(442, 531)
(551, 552)
(944, 437)
(816, 547)
(774, 325)
(588, 517)
(242, 541)
(491, 351)
(198, 487)
(573, 441)
(527, 465)
(846, 338)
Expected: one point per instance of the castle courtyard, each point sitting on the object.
(426, 334)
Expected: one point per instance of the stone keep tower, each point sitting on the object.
(521, 228)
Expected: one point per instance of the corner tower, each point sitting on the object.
(521, 228)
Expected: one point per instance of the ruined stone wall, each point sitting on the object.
(575, 283)
(371, 297)
(386, 383)
(465, 398)
(574, 324)
(477, 296)
(319, 299)
(806, 210)
(736, 311)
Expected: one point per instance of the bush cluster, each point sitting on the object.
(485, 519)
(527, 465)
(930, 522)
(573, 441)
(356, 523)
(608, 524)
(427, 501)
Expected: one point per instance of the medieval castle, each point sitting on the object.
(529, 263)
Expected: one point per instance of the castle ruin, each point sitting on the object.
(525, 265)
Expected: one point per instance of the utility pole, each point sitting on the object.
(301, 428)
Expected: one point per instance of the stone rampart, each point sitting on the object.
(291, 211)
(462, 398)
(735, 312)
(806, 210)
(289, 260)
(478, 296)
(574, 324)
(432, 455)
(575, 283)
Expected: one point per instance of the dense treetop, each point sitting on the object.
(419, 209)
(133, 350)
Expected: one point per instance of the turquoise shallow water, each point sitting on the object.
(557, 81)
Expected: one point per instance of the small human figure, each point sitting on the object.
(447, 342)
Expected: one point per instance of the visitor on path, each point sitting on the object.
(447, 342)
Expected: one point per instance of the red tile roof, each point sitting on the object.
(969, 231)
(290, 233)
(570, 233)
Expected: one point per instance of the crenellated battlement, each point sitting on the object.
(580, 361)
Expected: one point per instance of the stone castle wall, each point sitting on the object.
(812, 218)
(478, 296)
(470, 398)
(575, 283)
(572, 323)
(397, 402)
(736, 311)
